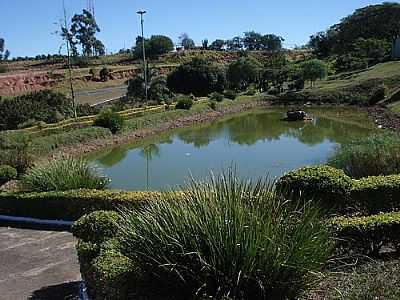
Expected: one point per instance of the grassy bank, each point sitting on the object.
(94, 138)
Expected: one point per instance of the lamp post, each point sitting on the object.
(141, 13)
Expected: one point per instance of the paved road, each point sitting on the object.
(37, 265)
(100, 95)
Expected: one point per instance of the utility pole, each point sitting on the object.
(141, 13)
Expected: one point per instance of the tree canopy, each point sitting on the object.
(199, 77)
(243, 72)
(186, 42)
(379, 22)
(155, 46)
(4, 53)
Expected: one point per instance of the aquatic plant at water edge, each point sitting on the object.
(225, 238)
(376, 155)
(62, 175)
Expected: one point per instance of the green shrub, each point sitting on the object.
(217, 97)
(250, 92)
(230, 94)
(376, 155)
(377, 194)
(377, 94)
(199, 76)
(97, 226)
(225, 237)
(329, 185)
(366, 235)
(104, 74)
(15, 151)
(63, 175)
(46, 106)
(184, 103)
(109, 119)
(7, 173)
(212, 105)
(70, 205)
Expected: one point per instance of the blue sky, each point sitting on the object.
(27, 25)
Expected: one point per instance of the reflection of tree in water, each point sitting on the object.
(250, 128)
(114, 156)
(149, 152)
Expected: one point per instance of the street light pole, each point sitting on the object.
(141, 13)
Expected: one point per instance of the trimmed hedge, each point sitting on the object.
(325, 183)
(377, 194)
(335, 190)
(105, 270)
(367, 235)
(70, 205)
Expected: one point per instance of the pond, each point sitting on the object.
(257, 143)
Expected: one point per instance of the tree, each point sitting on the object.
(83, 30)
(99, 48)
(243, 72)
(199, 77)
(160, 44)
(272, 42)
(186, 42)
(252, 40)
(235, 44)
(372, 50)
(4, 53)
(204, 44)
(217, 45)
(313, 69)
(379, 21)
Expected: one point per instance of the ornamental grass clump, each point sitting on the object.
(63, 175)
(225, 239)
(376, 155)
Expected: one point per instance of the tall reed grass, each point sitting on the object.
(226, 239)
(62, 175)
(376, 155)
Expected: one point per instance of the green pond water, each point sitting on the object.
(256, 143)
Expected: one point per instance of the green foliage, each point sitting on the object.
(225, 237)
(313, 69)
(62, 175)
(158, 89)
(217, 45)
(218, 97)
(46, 106)
(7, 173)
(377, 194)
(366, 235)
(97, 226)
(15, 151)
(379, 154)
(379, 22)
(155, 46)
(243, 72)
(186, 42)
(256, 41)
(109, 119)
(104, 74)
(199, 77)
(230, 94)
(70, 205)
(321, 183)
(184, 103)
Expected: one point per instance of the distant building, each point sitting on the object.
(396, 49)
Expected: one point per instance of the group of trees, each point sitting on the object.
(4, 53)
(155, 46)
(361, 39)
(83, 32)
(201, 77)
(250, 41)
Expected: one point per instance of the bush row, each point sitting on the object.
(366, 235)
(71, 205)
(337, 191)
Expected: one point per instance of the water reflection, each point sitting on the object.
(257, 142)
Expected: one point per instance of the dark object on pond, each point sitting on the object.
(297, 115)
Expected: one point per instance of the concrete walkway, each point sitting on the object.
(38, 265)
